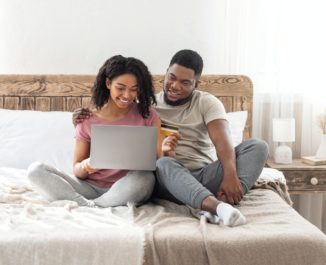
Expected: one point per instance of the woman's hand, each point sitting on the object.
(86, 166)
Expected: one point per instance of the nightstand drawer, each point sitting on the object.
(305, 180)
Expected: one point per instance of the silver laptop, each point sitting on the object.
(123, 147)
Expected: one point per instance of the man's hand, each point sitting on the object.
(231, 190)
(80, 115)
(170, 143)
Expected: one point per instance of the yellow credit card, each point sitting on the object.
(167, 129)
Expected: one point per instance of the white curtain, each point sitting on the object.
(281, 45)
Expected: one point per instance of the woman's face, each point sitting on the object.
(123, 90)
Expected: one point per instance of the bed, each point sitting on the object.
(35, 124)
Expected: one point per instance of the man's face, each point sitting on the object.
(179, 83)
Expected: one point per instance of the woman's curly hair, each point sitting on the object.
(119, 65)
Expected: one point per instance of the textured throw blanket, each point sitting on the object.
(36, 232)
(274, 180)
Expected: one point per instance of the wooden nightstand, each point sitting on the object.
(302, 178)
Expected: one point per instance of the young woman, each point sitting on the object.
(123, 95)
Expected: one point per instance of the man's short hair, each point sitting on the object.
(189, 59)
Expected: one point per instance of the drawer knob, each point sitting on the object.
(314, 181)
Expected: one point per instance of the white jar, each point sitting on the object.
(321, 152)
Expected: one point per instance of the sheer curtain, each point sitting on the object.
(281, 45)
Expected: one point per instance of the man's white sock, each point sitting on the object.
(230, 215)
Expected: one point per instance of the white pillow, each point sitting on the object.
(237, 122)
(28, 136)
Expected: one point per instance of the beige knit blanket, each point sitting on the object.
(36, 232)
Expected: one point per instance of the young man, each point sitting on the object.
(187, 174)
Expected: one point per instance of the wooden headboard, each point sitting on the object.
(67, 92)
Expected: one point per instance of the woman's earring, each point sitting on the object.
(137, 100)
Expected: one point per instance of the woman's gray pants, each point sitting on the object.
(136, 187)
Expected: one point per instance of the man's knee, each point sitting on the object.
(258, 145)
(261, 144)
(164, 162)
(261, 147)
(253, 156)
(163, 169)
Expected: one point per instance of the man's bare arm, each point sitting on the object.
(231, 188)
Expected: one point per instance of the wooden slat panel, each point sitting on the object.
(246, 134)
(70, 87)
(86, 101)
(227, 102)
(74, 85)
(27, 103)
(43, 104)
(12, 85)
(50, 85)
(75, 90)
(158, 83)
(244, 103)
(1, 102)
(241, 103)
(73, 103)
(11, 102)
(58, 104)
(219, 85)
(226, 85)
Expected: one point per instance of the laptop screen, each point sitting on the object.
(123, 147)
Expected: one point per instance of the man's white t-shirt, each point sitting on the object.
(195, 149)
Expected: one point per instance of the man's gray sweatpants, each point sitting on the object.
(176, 183)
(136, 186)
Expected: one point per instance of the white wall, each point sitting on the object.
(77, 36)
